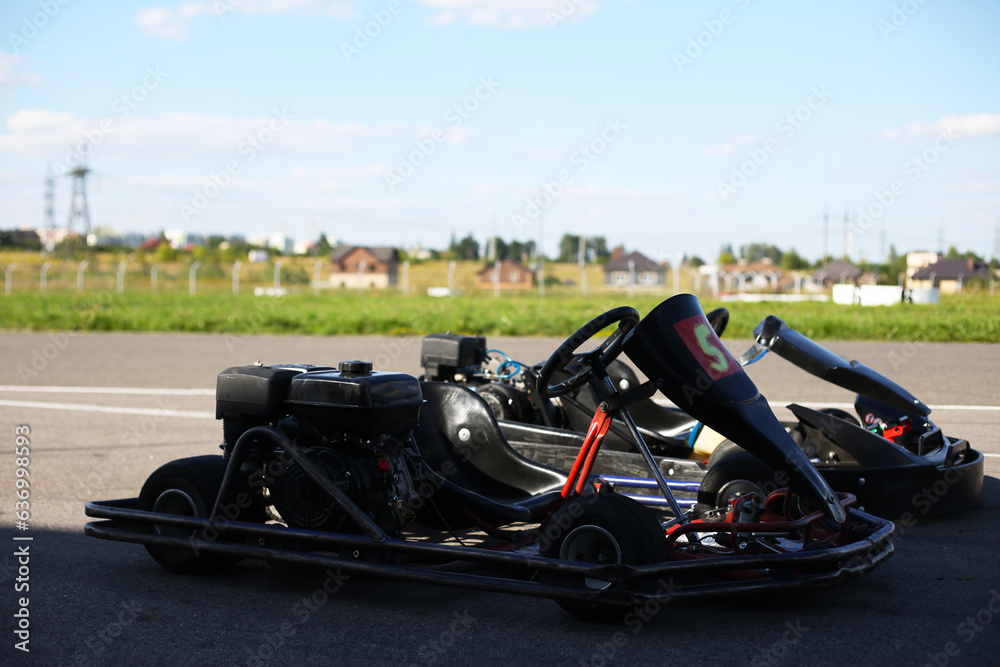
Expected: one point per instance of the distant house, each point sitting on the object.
(512, 276)
(756, 276)
(354, 266)
(635, 270)
(837, 272)
(949, 274)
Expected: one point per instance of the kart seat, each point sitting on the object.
(647, 412)
(472, 466)
(659, 425)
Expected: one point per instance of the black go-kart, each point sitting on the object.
(891, 456)
(375, 473)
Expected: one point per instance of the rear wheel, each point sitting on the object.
(731, 477)
(605, 529)
(189, 487)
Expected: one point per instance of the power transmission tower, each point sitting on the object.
(50, 200)
(78, 209)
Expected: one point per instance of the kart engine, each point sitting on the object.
(353, 424)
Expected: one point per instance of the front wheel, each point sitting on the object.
(605, 528)
(188, 487)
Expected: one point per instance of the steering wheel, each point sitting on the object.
(625, 316)
(718, 318)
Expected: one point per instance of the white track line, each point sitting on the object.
(156, 412)
(137, 391)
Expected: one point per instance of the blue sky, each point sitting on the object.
(668, 127)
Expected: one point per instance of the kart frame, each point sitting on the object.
(124, 522)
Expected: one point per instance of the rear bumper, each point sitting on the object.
(913, 491)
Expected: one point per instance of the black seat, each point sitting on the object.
(472, 466)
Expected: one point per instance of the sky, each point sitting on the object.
(667, 127)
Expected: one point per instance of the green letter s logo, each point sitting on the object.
(702, 333)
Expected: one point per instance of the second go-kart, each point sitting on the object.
(373, 472)
(898, 462)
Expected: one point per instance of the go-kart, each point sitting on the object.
(891, 463)
(376, 473)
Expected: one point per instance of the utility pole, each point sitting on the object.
(996, 240)
(826, 231)
(847, 235)
(582, 255)
(540, 253)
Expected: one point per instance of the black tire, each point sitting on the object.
(724, 449)
(733, 476)
(189, 487)
(605, 528)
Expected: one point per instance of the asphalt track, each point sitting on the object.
(106, 410)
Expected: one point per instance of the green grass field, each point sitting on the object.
(966, 317)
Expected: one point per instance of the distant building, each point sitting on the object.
(279, 242)
(52, 236)
(180, 239)
(949, 274)
(512, 276)
(634, 269)
(354, 266)
(27, 239)
(918, 260)
(305, 247)
(108, 236)
(837, 273)
(756, 276)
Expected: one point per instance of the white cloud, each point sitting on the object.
(9, 76)
(50, 134)
(172, 22)
(730, 145)
(509, 13)
(167, 23)
(541, 153)
(972, 125)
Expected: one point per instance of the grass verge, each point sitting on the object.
(961, 318)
